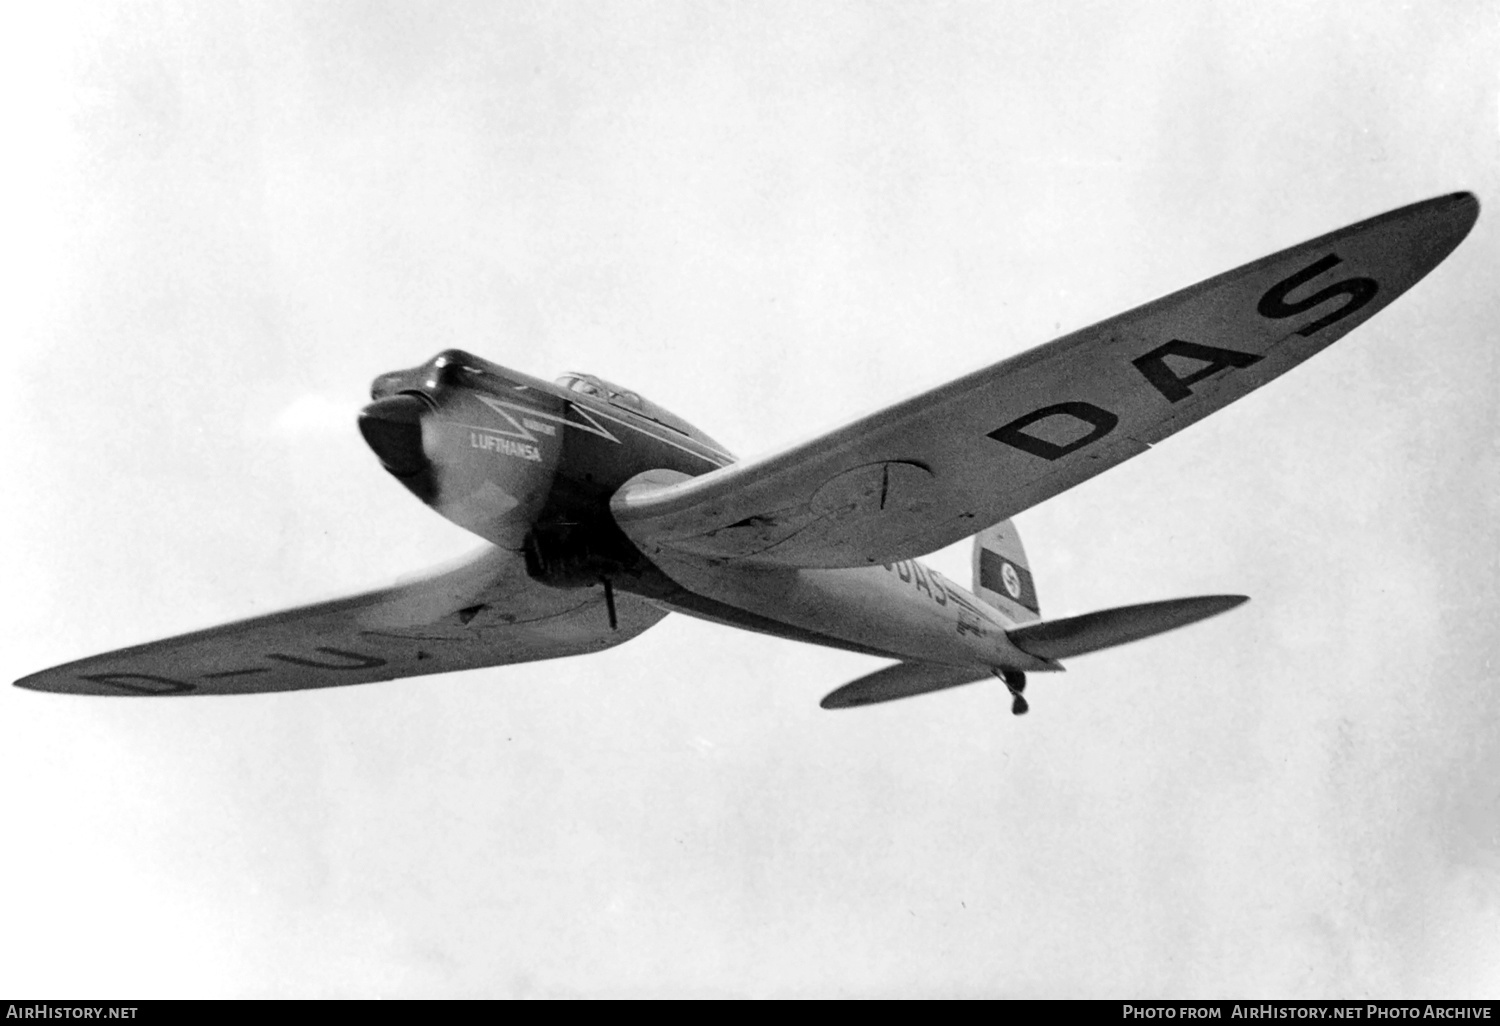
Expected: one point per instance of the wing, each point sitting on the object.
(484, 611)
(934, 469)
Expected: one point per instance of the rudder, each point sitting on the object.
(1001, 574)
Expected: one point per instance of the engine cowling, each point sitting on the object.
(527, 464)
(469, 439)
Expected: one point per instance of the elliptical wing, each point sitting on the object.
(484, 611)
(932, 470)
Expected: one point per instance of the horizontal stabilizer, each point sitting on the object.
(1076, 635)
(901, 681)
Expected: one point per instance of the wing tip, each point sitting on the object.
(837, 699)
(1461, 198)
(47, 682)
(1464, 204)
(42, 681)
(1450, 219)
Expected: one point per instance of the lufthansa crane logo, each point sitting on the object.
(1011, 580)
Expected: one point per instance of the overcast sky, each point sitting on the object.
(226, 219)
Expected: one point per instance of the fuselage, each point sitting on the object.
(531, 466)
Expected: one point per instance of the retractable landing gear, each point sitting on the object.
(1015, 682)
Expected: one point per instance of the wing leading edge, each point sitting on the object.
(933, 469)
(484, 611)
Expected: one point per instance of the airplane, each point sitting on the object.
(602, 512)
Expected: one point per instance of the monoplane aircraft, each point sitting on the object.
(603, 512)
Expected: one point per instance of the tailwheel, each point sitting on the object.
(1015, 683)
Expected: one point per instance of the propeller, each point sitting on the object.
(393, 428)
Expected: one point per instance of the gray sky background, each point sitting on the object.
(226, 219)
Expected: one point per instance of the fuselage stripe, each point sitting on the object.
(727, 459)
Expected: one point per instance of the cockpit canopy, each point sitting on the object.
(625, 399)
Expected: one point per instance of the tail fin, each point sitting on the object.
(1001, 575)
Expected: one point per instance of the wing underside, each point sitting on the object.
(484, 611)
(934, 469)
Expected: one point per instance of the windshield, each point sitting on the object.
(588, 384)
